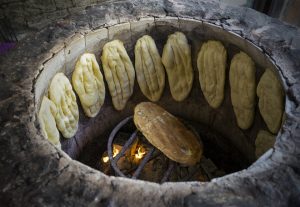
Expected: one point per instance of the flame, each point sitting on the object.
(105, 159)
(140, 152)
(137, 151)
(116, 151)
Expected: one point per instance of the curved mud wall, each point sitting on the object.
(194, 108)
(26, 15)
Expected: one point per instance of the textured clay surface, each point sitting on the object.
(176, 58)
(242, 85)
(88, 83)
(35, 173)
(271, 96)
(211, 64)
(149, 69)
(47, 121)
(264, 141)
(119, 73)
(63, 96)
(167, 133)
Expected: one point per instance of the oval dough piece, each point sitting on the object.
(119, 73)
(149, 69)
(211, 64)
(88, 83)
(62, 95)
(264, 141)
(47, 121)
(176, 58)
(242, 86)
(167, 133)
(271, 95)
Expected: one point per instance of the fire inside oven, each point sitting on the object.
(129, 154)
(139, 159)
(228, 125)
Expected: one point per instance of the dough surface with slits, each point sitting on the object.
(149, 69)
(167, 133)
(63, 96)
(88, 83)
(176, 58)
(271, 95)
(264, 141)
(119, 72)
(211, 64)
(47, 121)
(242, 86)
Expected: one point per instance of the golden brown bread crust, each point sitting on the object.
(167, 133)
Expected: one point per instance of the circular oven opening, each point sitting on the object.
(227, 147)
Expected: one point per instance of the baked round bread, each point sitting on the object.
(167, 133)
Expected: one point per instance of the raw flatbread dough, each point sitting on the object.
(211, 64)
(47, 121)
(242, 85)
(271, 95)
(176, 58)
(88, 83)
(264, 141)
(149, 69)
(62, 95)
(119, 73)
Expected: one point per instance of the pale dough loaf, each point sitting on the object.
(119, 73)
(264, 141)
(242, 86)
(176, 58)
(47, 121)
(63, 96)
(271, 95)
(149, 69)
(211, 64)
(88, 83)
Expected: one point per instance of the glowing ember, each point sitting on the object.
(116, 151)
(141, 151)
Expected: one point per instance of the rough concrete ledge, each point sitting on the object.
(35, 173)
